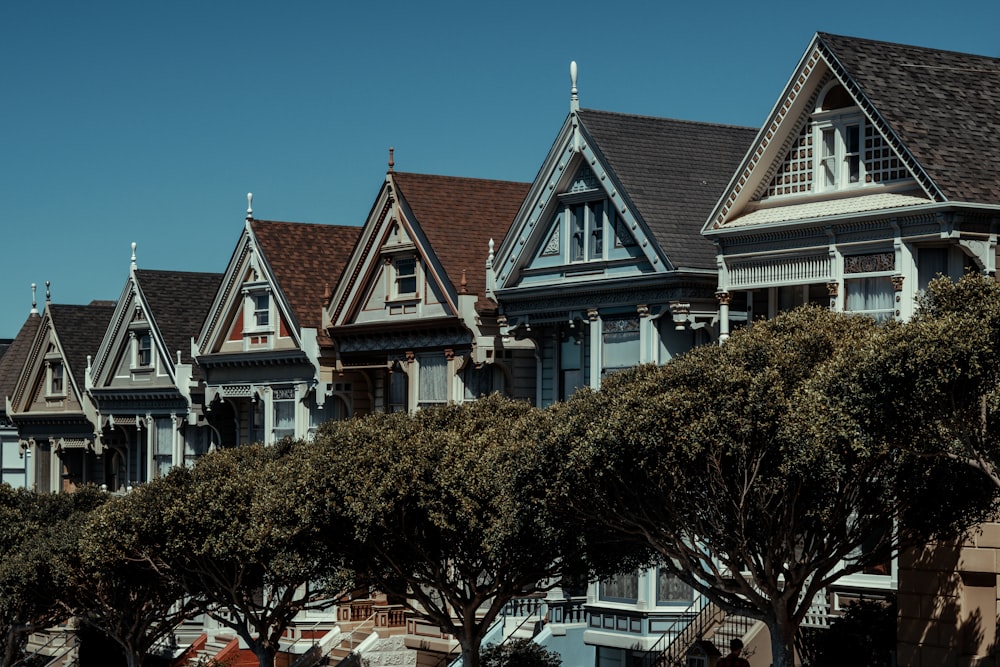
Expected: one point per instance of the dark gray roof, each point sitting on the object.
(673, 173)
(13, 359)
(179, 302)
(943, 105)
(81, 330)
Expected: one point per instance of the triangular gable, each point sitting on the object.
(443, 223)
(53, 375)
(393, 269)
(540, 236)
(132, 342)
(784, 175)
(235, 321)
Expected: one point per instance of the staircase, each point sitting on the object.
(56, 647)
(702, 620)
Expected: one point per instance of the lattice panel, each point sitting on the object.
(881, 164)
(796, 173)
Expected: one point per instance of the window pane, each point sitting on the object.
(433, 374)
(621, 588)
(397, 391)
(578, 225)
(671, 589)
(163, 447)
(872, 296)
(931, 263)
(284, 413)
(261, 310)
(197, 440)
(482, 381)
(595, 213)
(406, 275)
(621, 342)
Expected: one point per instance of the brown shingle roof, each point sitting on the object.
(304, 259)
(459, 216)
(81, 330)
(673, 171)
(13, 359)
(179, 301)
(943, 105)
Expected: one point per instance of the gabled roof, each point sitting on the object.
(944, 106)
(305, 260)
(80, 330)
(178, 302)
(938, 112)
(12, 362)
(672, 172)
(459, 216)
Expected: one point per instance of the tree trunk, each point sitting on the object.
(265, 655)
(470, 655)
(782, 632)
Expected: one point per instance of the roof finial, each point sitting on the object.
(133, 255)
(392, 162)
(249, 206)
(489, 256)
(464, 285)
(48, 292)
(34, 301)
(327, 295)
(574, 100)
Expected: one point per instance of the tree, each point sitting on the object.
(765, 469)
(956, 382)
(116, 590)
(36, 547)
(239, 534)
(449, 514)
(520, 653)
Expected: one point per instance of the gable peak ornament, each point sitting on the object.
(574, 99)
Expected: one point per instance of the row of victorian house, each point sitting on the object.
(876, 170)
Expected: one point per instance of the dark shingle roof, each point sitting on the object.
(81, 330)
(304, 259)
(13, 359)
(459, 216)
(673, 171)
(179, 301)
(943, 105)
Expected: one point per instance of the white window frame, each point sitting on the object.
(393, 291)
(836, 125)
(51, 376)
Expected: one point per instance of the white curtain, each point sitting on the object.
(433, 381)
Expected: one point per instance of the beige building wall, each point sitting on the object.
(948, 605)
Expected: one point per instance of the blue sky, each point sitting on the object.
(149, 122)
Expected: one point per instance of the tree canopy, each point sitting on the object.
(763, 470)
(239, 534)
(449, 512)
(37, 543)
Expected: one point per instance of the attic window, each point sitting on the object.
(836, 98)
(144, 350)
(55, 378)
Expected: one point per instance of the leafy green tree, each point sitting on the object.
(36, 549)
(519, 653)
(955, 384)
(239, 534)
(765, 469)
(450, 514)
(116, 589)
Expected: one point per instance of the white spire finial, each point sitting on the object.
(133, 255)
(34, 300)
(574, 100)
(48, 292)
(249, 206)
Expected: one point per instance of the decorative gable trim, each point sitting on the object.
(574, 167)
(766, 157)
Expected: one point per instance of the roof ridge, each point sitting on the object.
(459, 178)
(928, 49)
(702, 123)
(304, 224)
